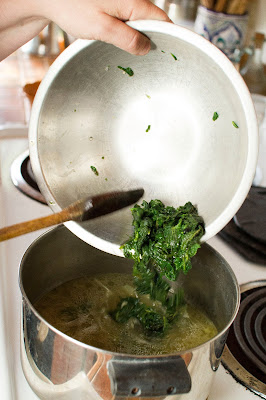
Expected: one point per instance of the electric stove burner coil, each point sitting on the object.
(245, 350)
(249, 330)
(23, 177)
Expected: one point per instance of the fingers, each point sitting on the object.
(121, 35)
(104, 20)
(114, 31)
(142, 9)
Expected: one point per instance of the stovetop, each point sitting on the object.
(18, 207)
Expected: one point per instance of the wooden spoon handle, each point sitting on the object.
(81, 210)
(207, 3)
(237, 7)
(9, 232)
(220, 5)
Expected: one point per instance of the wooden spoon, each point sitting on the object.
(81, 210)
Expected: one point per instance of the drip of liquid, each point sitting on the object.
(80, 309)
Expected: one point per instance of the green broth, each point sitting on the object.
(80, 308)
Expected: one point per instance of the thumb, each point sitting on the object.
(123, 36)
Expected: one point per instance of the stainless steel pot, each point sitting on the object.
(59, 367)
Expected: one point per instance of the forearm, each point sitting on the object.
(19, 22)
(14, 37)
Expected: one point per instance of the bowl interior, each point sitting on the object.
(154, 130)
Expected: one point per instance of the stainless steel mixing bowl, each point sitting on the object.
(154, 130)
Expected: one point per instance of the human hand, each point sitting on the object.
(104, 20)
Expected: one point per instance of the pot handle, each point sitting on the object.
(148, 377)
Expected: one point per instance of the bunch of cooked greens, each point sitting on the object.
(164, 241)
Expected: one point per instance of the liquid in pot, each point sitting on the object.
(80, 308)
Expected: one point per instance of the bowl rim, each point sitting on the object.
(220, 59)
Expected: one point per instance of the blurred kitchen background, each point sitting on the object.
(239, 23)
(186, 13)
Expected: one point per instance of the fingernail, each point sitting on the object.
(144, 47)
